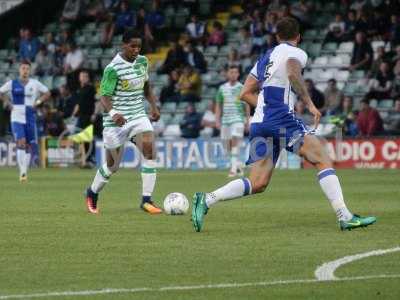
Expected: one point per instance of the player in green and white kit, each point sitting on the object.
(232, 117)
(123, 89)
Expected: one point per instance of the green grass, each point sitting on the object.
(49, 243)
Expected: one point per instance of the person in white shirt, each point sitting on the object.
(74, 58)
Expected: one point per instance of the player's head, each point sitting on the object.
(131, 44)
(233, 73)
(24, 69)
(288, 29)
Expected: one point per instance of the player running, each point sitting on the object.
(232, 116)
(277, 79)
(123, 88)
(24, 95)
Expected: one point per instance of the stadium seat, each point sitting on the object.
(95, 52)
(314, 49)
(310, 34)
(321, 61)
(350, 88)
(169, 107)
(342, 75)
(172, 131)
(201, 106)
(59, 80)
(373, 103)
(321, 86)
(345, 48)
(329, 48)
(47, 81)
(3, 53)
(386, 104)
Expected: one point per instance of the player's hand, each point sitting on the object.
(154, 114)
(317, 115)
(119, 119)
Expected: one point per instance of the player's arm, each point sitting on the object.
(43, 98)
(107, 88)
(4, 90)
(298, 84)
(219, 99)
(249, 91)
(151, 98)
(247, 116)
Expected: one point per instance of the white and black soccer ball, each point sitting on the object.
(176, 204)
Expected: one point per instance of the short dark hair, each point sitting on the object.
(365, 100)
(130, 34)
(234, 66)
(25, 62)
(287, 28)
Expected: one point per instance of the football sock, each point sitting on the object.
(21, 160)
(101, 179)
(234, 189)
(149, 176)
(234, 158)
(330, 185)
(28, 159)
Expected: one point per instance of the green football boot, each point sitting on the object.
(199, 209)
(356, 222)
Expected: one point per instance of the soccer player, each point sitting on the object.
(232, 115)
(277, 79)
(124, 87)
(24, 94)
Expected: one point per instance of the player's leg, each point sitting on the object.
(145, 143)
(18, 130)
(259, 177)
(227, 143)
(237, 132)
(314, 152)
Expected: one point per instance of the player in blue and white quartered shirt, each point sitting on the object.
(272, 87)
(24, 95)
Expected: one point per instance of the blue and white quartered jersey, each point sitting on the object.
(22, 98)
(276, 93)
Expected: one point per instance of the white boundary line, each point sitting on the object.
(190, 287)
(327, 270)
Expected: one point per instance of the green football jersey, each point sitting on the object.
(229, 98)
(124, 83)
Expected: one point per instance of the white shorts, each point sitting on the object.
(233, 130)
(114, 137)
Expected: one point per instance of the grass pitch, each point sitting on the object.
(49, 243)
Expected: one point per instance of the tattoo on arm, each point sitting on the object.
(296, 79)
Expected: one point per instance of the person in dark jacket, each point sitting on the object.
(191, 123)
(195, 58)
(316, 95)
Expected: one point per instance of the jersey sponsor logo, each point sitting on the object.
(125, 85)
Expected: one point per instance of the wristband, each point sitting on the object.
(112, 112)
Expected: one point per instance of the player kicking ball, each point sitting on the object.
(25, 94)
(232, 115)
(123, 88)
(277, 79)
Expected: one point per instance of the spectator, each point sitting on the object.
(28, 46)
(208, 122)
(44, 62)
(394, 30)
(316, 96)
(155, 21)
(396, 55)
(380, 58)
(170, 93)
(74, 58)
(270, 21)
(336, 30)
(51, 43)
(84, 110)
(175, 58)
(191, 123)
(71, 11)
(234, 59)
(369, 121)
(53, 125)
(269, 42)
(195, 58)
(189, 85)
(362, 53)
(345, 112)
(333, 97)
(256, 30)
(350, 25)
(217, 36)
(65, 37)
(358, 4)
(395, 93)
(302, 114)
(66, 102)
(246, 44)
(195, 29)
(301, 11)
(392, 121)
(125, 18)
(362, 23)
(381, 84)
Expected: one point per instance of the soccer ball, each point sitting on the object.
(176, 204)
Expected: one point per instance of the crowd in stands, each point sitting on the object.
(188, 61)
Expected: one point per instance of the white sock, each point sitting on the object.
(28, 160)
(331, 187)
(101, 179)
(149, 175)
(21, 160)
(234, 158)
(234, 189)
